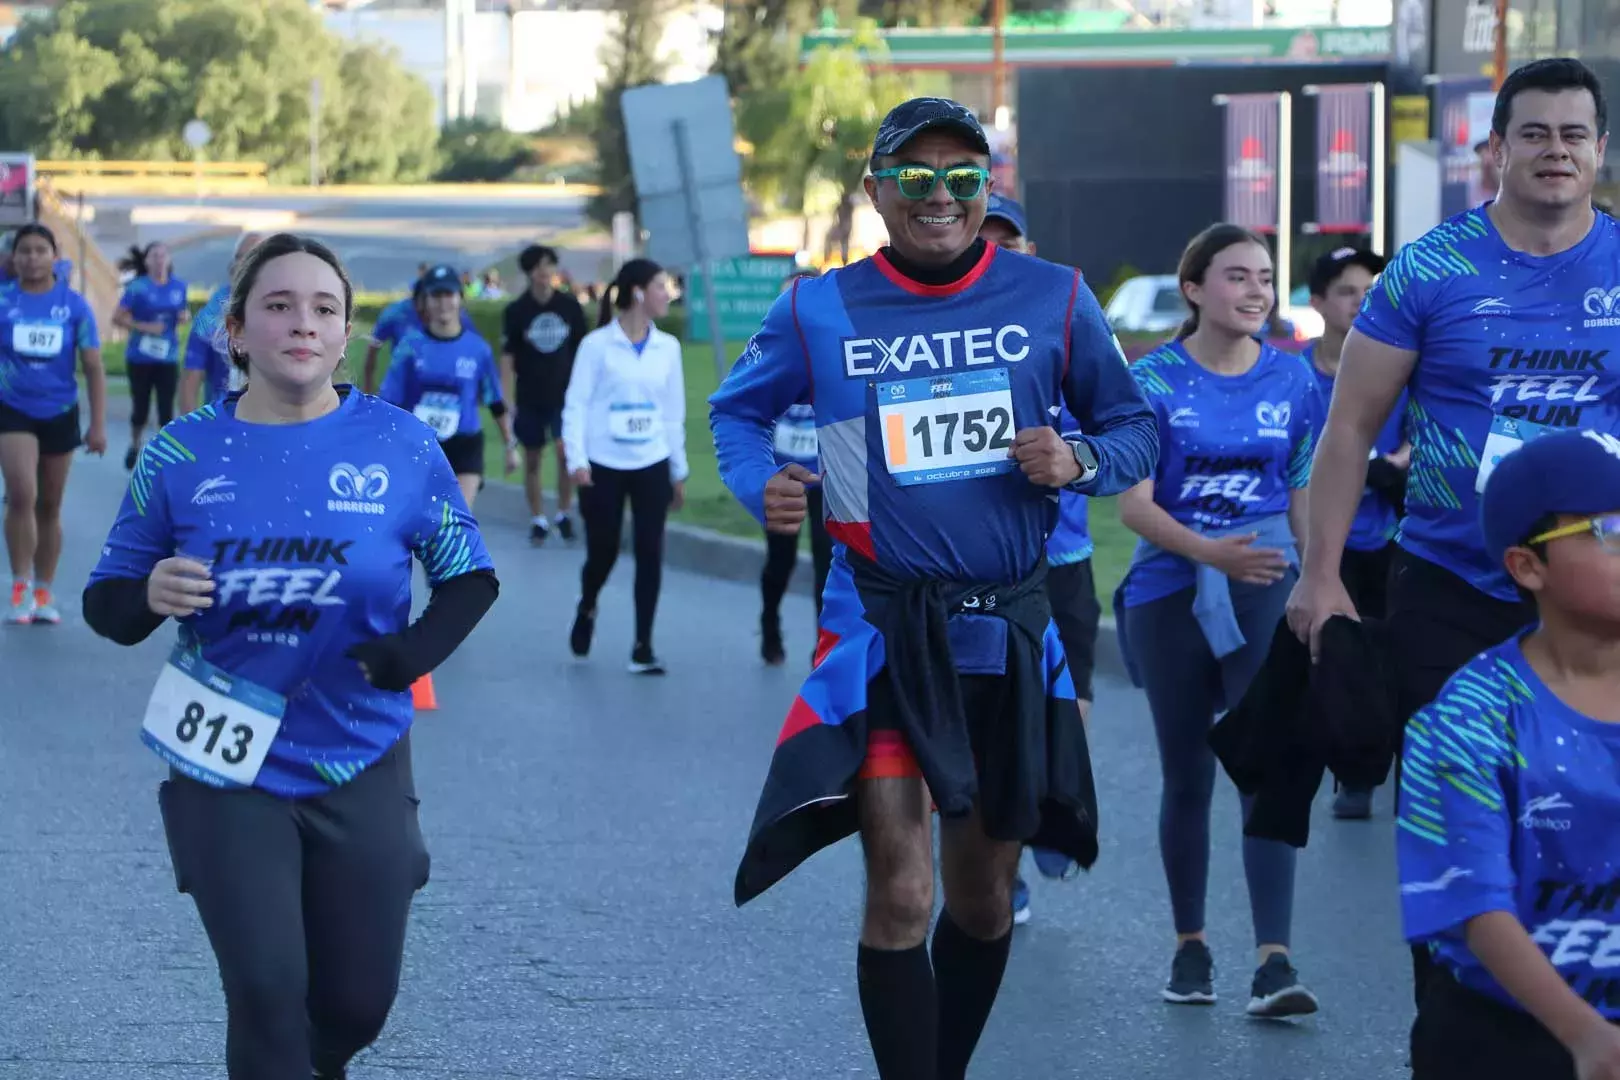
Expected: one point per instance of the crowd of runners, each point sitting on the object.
(1396, 552)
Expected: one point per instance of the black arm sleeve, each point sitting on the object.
(116, 609)
(398, 660)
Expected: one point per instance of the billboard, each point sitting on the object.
(16, 189)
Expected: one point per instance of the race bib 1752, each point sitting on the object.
(37, 340)
(957, 426)
(211, 725)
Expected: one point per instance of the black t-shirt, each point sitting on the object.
(542, 340)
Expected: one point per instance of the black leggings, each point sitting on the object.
(601, 505)
(782, 555)
(305, 903)
(148, 381)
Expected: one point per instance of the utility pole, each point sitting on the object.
(1501, 43)
(998, 56)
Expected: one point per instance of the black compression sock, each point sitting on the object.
(968, 974)
(897, 999)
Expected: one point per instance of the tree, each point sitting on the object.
(631, 58)
(120, 78)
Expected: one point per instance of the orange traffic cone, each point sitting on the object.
(422, 693)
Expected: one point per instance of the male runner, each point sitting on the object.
(1502, 323)
(541, 331)
(937, 368)
(1069, 583)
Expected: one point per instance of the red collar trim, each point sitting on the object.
(916, 288)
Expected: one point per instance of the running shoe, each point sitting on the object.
(1020, 902)
(45, 607)
(1352, 804)
(1277, 991)
(770, 641)
(21, 611)
(579, 638)
(129, 457)
(1054, 865)
(538, 531)
(643, 662)
(1192, 976)
(565, 526)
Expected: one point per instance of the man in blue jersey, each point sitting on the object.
(1503, 324)
(208, 361)
(1069, 582)
(937, 369)
(1339, 282)
(1507, 842)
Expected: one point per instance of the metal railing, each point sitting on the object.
(179, 170)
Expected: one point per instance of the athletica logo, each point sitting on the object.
(213, 491)
(1532, 817)
(1493, 305)
(1273, 418)
(1439, 884)
(1184, 417)
(358, 491)
(1603, 307)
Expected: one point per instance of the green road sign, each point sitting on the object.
(744, 289)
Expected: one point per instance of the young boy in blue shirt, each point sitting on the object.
(1509, 838)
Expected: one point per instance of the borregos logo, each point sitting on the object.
(1602, 307)
(945, 350)
(358, 491)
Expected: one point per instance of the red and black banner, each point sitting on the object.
(1344, 159)
(1251, 160)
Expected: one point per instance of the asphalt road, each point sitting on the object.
(380, 240)
(584, 826)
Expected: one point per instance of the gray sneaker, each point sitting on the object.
(1192, 976)
(1277, 992)
(1352, 804)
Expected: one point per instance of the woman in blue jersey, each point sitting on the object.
(209, 373)
(46, 329)
(153, 309)
(444, 373)
(277, 527)
(1209, 578)
(624, 436)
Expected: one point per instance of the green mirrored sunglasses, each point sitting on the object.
(964, 182)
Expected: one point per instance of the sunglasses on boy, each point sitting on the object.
(1606, 527)
(917, 182)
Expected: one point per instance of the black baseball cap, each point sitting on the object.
(911, 118)
(1326, 270)
(439, 279)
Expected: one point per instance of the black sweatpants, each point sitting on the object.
(305, 903)
(1463, 1035)
(1437, 623)
(782, 555)
(149, 382)
(601, 506)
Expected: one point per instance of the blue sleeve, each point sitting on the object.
(771, 374)
(1104, 399)
(490, 378)
(1454, 837)
(86, 332)
(399, 383)
(446, 537)
(1393, 311)
(143, 534)
(1308, 422)
(387, 329)
(200, 342)
(131, 293)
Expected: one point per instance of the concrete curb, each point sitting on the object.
(730, 558)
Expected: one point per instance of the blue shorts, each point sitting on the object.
(531, 427)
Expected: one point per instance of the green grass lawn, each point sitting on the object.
(708, 504)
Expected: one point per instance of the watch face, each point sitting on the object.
(1083, 455)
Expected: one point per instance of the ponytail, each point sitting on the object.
(634, 274)
(604, 308)
(135, 261)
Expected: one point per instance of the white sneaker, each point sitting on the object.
(21, 611)
(45, 608)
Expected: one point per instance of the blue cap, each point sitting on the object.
(911, 118)
(440, 279)
(1009, 211)
(1562, 472)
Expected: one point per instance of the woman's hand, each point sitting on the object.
(179, 587)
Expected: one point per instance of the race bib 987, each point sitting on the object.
(36, 340)
(957, 426)
(441, 412)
